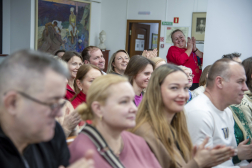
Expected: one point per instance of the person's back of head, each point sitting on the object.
(203, 76)
(233, 56)
(247, 64)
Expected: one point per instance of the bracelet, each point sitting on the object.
(195, 50)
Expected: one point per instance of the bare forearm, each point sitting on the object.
(188, 51)
(199, 53)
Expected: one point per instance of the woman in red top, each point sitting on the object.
(74, 61)
(186, 55)
(84, 78)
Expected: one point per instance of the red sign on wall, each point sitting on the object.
(176, 20)
(162, 39)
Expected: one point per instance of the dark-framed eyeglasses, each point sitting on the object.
(55, 107)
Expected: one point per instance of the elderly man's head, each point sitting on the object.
(227, 78)
(31, 85)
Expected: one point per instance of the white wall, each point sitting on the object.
(6, 27)
(19, 24)
(114, 21)
(228, 29)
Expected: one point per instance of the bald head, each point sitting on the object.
(25, 69)
(220, 68)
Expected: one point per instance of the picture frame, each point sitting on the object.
(198, 25)
(62, 24)
(154, 41)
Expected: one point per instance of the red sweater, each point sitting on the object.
(69, 92)
(178, 56)
(80, 98)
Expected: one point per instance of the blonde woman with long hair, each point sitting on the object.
(161, 122)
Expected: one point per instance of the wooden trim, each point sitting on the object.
(142, 21)
(3, 55)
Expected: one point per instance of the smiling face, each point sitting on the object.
(120, 63)
(179, 40)
(174, 92)
(88, 79)
(73, 65)
(97, 59)
(190, 77)
(143, 77)
(233, 89)
(119, 111)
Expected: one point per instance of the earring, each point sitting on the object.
(80, 89)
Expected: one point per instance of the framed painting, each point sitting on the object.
(198, 25)
(62, 24)
(154, 41)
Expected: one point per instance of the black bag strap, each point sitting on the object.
(102, 146)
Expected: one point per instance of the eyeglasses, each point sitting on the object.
(55, 107)
(191, 75)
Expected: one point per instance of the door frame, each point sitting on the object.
(142, 21)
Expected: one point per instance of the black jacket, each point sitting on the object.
(50, 154)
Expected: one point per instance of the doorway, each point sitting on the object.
(142, 35)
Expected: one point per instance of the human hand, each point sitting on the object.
(71, 120)
(206, 157)
(189, 43)
(85, 162)
(244, 151)
(194, 43)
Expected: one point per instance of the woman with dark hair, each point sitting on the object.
(85, 76)
(118, 62)
(74, 61)
(162, 123)
(139, 71)
(186, 54)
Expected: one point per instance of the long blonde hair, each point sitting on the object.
(98, 91)
(152, 109)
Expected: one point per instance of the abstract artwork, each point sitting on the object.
(62, 24)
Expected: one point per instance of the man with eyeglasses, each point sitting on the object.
(31, 85)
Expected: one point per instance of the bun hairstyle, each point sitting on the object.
(98, 91)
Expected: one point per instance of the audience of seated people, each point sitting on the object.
(118, 62)
(44, 99)
(74, 61)
(208, 114)
(139, 71)
(110, 106)
(31, 87)
(161, 122)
